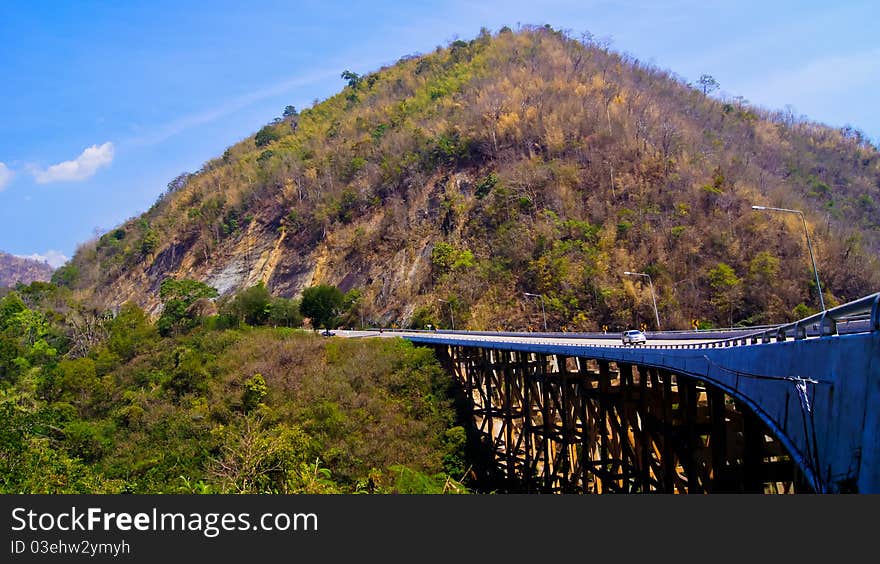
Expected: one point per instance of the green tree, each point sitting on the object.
(130, 332)
(185, 289)
(727, 287)
(322, 303)
(255, 389)
(177, 296)
(445, 257)
(189, 374)
(284, 312)
(442, 256)
(76, 382)
(422, 317)
(455, 446)
(150, 242)
(10, 306)
(65, 275)
(801, 311)
(485, 185)
(353, 78)
(10, 350)
(352, 302)
(30, 326)
(763, 269)
(266, 135)
(708, 83)
(253, 305)
(30, 464)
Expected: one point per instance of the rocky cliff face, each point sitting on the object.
(394, 265)
(519, 162)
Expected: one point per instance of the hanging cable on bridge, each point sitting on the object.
(800, 385)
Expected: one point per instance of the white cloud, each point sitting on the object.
(54, 258)
(5, 175)
(81, 168)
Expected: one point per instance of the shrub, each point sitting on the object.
(266, 135)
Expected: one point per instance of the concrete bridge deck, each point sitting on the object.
(813, 383)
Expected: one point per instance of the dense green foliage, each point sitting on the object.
(178, 296)
(201, 410)
(323, 304)
(256, 306)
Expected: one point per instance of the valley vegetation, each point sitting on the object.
(202, 401)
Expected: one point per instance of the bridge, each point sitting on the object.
(785, 409)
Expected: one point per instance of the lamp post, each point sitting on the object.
(542, 307)
(809, 246)
(653, 299)
(451, 315)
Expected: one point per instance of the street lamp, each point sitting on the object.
(809, 245)
(542, 307)
(451, 316)
(653, 299)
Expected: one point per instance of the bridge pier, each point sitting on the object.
(568, 424)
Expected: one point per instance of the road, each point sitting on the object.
(609, 340)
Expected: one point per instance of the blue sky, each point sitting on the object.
(102, 103)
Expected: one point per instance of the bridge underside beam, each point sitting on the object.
(575, 425)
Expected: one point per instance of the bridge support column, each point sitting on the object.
(753, 439)
(569, 424)
(718, 442)
(643, 436)
(688, 403)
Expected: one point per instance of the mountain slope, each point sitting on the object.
(519, 162)
(14, 270)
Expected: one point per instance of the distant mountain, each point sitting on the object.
(452, 184)
(15, 269)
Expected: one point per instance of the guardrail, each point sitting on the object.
(864, 311)
(719, 333)
(863, 315)
(826, 322)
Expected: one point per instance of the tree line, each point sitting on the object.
(187, 303)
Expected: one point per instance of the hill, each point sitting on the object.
(517, 162)
(16, 270)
